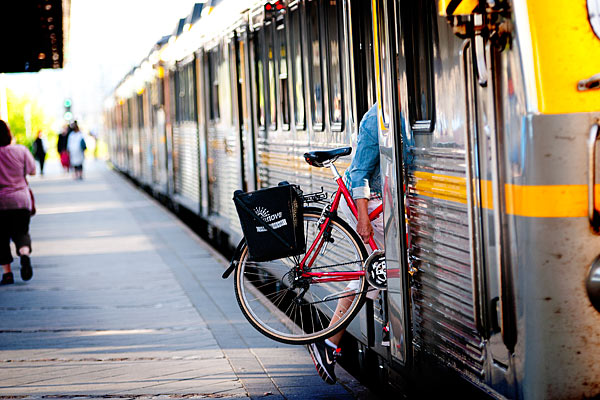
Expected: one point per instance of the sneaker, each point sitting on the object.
(324, 359)
(7, 279)
(26, 271)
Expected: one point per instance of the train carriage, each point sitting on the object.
(488, 122)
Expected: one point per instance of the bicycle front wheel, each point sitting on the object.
(297, 310)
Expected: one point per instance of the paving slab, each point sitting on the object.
(127, 302)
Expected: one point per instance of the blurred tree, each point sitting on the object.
(26, 118)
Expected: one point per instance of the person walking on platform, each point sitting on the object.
(76, 146)
(16, 204)
(39, 150)
(61, 147)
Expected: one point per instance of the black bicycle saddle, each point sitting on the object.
(317, 158)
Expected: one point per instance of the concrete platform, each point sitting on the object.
(127, 302)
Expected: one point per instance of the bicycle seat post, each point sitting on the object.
(333, 169)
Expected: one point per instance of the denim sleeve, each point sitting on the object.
(366, 157)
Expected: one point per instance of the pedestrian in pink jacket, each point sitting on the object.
(15, 204)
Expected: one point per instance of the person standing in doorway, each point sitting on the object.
(76, 146)
(363, 179)
(39, 150)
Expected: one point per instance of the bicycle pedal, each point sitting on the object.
(376, 270)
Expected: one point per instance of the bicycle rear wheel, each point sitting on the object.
(298, 310)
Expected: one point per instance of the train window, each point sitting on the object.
(172, 97)
(241, 74)
(284, 100)
(364, 70)
(213, 84)
(191, 92)
(418, 25)
(298, 79)
(260, 79)
(224, 85)
(271, 74)
(383, 65)
(336, 114)
(314, 56)
(140, 111)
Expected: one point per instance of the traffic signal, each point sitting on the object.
(68, 115)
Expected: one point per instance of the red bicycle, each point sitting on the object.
(291, 300)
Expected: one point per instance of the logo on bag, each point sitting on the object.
(275, 220)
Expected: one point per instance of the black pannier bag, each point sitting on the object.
(272, 222)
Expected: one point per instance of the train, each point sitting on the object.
(489, 117)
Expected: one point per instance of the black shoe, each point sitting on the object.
(26, 271)
(7, 279)
(324, 358)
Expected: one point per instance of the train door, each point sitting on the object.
(425, 123)
(295, 31)
(483, 79)
(159, 129)
(244, 90)
(223, 134)
(274, 135)
(185, 136)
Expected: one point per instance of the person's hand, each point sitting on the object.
(364, 229)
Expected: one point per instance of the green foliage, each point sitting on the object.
(20, 107)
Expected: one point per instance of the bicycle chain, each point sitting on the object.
(336, 265)
(341, 297)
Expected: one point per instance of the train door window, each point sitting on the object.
(382, 63)
(364, 73)
(190, 79)
(314, 69)
(271, 76)
(297, 69)
(224, 85)
(241, 75)
(284, 100)
(182, 94)
(172, 97)
(336, 113)
(260, 79)
(140, 111)
(213, 84)
(418, 25)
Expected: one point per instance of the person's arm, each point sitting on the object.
(29, 163)
(363, 226)
(365, 162)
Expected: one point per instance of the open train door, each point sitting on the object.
(429, 121)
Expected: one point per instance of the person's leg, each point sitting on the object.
(22, 241)
(5, 253)
(42, 160)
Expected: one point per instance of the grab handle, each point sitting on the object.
(593, 213)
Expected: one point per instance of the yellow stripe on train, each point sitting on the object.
(448, 8)
(539, 201)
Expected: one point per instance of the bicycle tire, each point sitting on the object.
(273, 280)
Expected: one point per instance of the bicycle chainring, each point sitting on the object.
(376, 270)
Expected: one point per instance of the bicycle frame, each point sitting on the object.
(317, 244)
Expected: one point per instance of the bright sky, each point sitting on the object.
(108, 38)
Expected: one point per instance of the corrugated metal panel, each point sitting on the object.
(223, 169)
(441, 288)
(185, 159)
